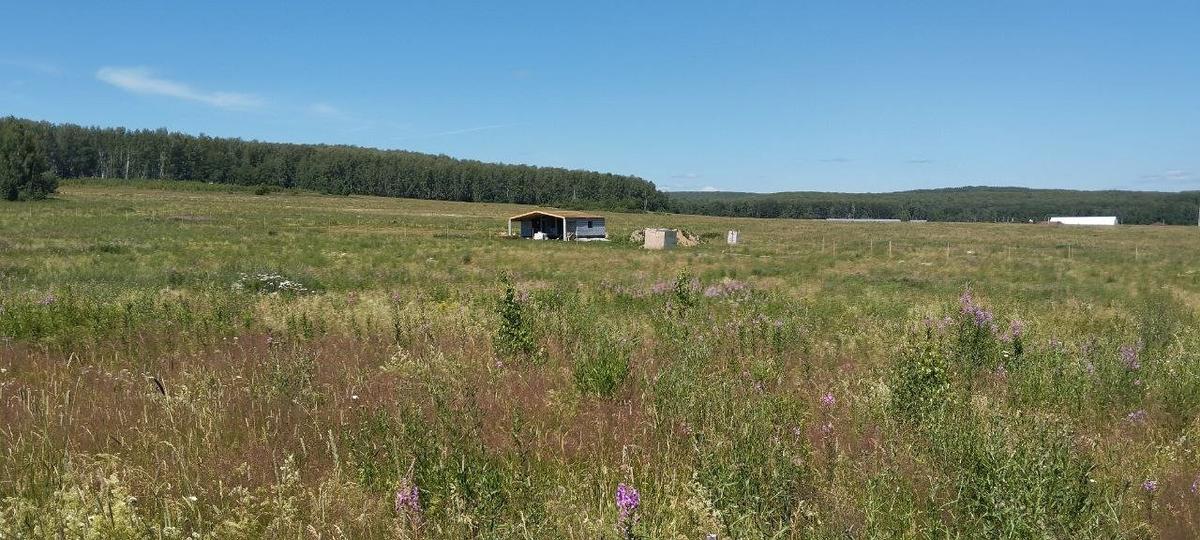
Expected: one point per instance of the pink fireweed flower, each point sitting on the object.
(1129, 356)
(981, 317)
(1150, 486)
(628, 501)
(408, 499)
(828, 400)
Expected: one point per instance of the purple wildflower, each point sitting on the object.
(49, 299)
(1195, 489)
(1001, 371)
(661, 287)
(712, 291)
(1150, 486)
(408, 499)
(981, 317)
(1137, 417)
(628, 500)
(1129, 356)
(828, 400)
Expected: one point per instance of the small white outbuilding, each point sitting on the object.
(1085, 220)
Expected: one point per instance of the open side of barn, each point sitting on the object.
(558, 225)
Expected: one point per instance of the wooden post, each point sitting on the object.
(889, 249)
(510, 227)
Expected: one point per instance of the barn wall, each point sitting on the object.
(581, 229)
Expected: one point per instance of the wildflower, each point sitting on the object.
(828, 400)
(1137, 417)
(408, 498)
(1150, 486)
(628, 500)
(1129, 356)
(49, 299)
(1001, 371)
(981, 317)
(826, 429)
(1195, 489)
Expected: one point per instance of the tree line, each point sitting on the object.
(986, 204)
(33, 154)
(73, 151)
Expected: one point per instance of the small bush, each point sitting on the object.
(920, 380)
(513, 337)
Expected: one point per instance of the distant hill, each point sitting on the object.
(972, 203)
(118, 153)
(77, 151)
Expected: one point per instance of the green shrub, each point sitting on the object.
(513, 337)
(920, 380)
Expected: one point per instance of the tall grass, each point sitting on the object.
(180, 364)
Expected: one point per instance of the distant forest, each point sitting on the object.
(75, 151)
(951, 204)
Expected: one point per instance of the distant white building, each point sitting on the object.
(1085, 220)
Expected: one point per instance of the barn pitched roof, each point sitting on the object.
(560, 214)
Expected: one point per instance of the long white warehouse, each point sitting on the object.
(1085, 220)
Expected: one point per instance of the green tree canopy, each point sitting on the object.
(23, 166)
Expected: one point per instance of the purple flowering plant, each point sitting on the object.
(628, 499)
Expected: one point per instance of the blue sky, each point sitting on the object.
(762, 96)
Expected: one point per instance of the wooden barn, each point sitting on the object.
(558, 225)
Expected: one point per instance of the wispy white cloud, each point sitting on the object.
(1171, 175)
(44, 68)
(141, 80)
(457, 131)
(331, 112)
(709, 189)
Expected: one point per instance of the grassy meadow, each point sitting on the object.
(184, 360)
